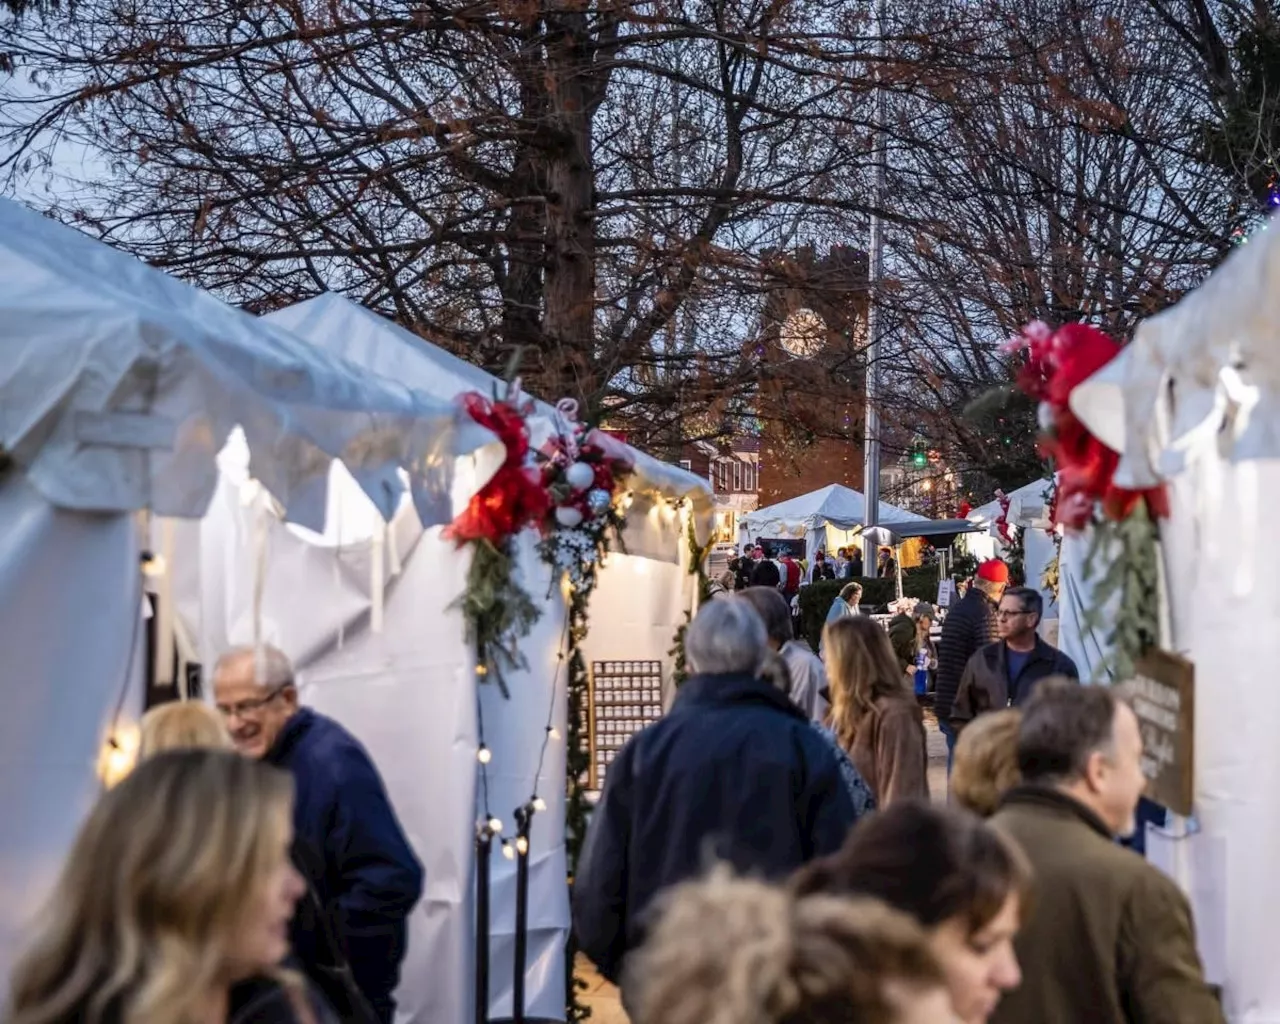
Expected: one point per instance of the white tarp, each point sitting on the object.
(355, 333)
(1028, 512)
(70, 612)
(825, 518)
(119, 385)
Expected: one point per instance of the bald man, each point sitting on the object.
(348, 841)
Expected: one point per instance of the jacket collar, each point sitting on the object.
(290, 736)
(735, 688)
(1041, 652)
(1057, 803)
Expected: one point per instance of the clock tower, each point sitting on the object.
(812, 373)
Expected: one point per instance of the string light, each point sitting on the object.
(484, 755)
(522, 846)
(553, 732)
(507, 851)
(495, 825)
(539, 804)
(482, 670)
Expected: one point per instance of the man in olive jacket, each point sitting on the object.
(1111, 939)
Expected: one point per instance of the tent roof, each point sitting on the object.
(355, 332)
(1027, 496)
(120, 384)
(835, 504)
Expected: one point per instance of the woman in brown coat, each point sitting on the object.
(874, 715)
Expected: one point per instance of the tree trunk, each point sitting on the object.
(570, 284)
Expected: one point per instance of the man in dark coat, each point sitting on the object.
(1111, 940)
(1006, 673)
(766, 572)
(971, 624)
(359, 864)
(734, 772)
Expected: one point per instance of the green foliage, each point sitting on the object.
(1132, 573)
(697, 566)
(815, 599)
(577, 764)
(497, 612)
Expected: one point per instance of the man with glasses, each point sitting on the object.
(1007, 672)
(348, 841)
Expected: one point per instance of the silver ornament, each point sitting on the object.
(598, 501)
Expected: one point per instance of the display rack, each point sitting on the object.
(625, 697)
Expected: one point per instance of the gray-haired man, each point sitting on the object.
(734, 772)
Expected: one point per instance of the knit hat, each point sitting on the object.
(994, 571)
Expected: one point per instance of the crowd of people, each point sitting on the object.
(767, 852)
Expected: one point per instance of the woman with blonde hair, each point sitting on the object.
(174, 904)
(874, 716)
(182, 725)
(728, 950)
(986, 761)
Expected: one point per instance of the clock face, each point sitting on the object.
(804, 334)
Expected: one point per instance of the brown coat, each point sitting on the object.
(1110, 939)
(890, 752)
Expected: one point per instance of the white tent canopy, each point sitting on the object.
(338, 325)
(119, 386)
(1027, 506)
(1193, 401)
(828, 519)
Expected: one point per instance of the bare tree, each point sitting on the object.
(599, 184)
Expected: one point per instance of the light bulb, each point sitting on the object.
(495, 825)
(507, 852)
(522, 845)
(539, 804)
(482, 670)
(554, 733)
(484, 755)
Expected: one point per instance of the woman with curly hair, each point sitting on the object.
(986, 763)
(174, 905)
(874, 716)
(729, 950)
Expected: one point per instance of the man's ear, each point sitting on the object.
(290, 696)
(1095, 770)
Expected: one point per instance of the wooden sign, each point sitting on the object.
(1163, 697)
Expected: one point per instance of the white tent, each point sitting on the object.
(417, 664)
(1195, 400)
(828, 519)
(118, 387)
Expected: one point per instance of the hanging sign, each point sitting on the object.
(1162, 694)
(946, 593)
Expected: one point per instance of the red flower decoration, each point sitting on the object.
(515, 497)
(1057, 363)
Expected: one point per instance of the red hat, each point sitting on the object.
(994, 571)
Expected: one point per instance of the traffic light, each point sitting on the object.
(919, 455)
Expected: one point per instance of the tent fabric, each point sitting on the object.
(74, 642)
(1209, 361)
(119, 385)
(354, 332)
(1026, 506)
(835, 504)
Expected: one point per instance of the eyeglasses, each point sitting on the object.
(1005, 613)
(249, 708)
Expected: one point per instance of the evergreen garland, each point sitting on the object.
(697, 567)
(497, 612)
(1130, 547)
(577, 764)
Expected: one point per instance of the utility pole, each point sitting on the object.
(875, 273)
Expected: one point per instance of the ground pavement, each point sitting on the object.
(602, 997)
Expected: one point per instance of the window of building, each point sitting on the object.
(749, 476)
(737, 475)
(686, 464)
(722, 472)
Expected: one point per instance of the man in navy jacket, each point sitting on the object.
(733, 773)
(355, 855)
